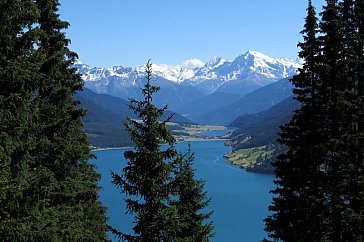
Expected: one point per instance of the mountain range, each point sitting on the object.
(193, 80)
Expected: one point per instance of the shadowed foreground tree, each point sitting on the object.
(319, 194)
(148, 179)
(48, 190)
(16, 117)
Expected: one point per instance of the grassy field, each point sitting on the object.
(248, 157)
(189, 131)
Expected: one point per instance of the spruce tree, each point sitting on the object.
(153, 180)
(323, 169)
(356, 136)
(298, 204)
(191, 199)
(147, 176)
(64, 183)
(48, 190)
(16, 117)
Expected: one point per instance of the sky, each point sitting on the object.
(129, 32)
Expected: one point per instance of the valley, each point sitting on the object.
(195, 132)
(250, 94)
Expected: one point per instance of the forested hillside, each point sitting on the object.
(105, 118)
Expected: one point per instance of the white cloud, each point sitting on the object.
(192, 63)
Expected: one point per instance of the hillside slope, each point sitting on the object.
(254, 102)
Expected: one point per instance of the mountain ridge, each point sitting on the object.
(188, 82)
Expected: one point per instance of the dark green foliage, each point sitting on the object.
(16, 119)
(299, 205)
(48, 190)
(319, 192)
(148, 179)
(191, 200)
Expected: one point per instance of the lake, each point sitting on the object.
(240, 199)
(215, 133)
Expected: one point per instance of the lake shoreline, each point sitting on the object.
(178, 141)
(223, 182)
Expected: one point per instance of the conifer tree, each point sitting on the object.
(64, 183)
(147, 176)
(48, 190)
(153, 179)
(355, 138)
(298, 204)
(191, 200)
(16, 119)
(320, 188)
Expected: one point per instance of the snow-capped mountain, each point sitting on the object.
(245, 73)
(193, 78)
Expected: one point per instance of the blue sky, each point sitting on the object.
(129, 32)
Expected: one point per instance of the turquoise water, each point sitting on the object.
(216, 133)
(239, 199)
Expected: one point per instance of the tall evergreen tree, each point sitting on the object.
(16, 117)
(153, 180)
(48, 190)
(323, 169)
(64, 182)
(298, 205)
(147, 176)
(191, 199)
(356, 136)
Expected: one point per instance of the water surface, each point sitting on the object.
(239, 198)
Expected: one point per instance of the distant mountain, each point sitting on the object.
(242, 75)
(115, 82)
(260, 131)
(104, 128)
(191, 81)
(120, 106)
(262, 128)
(104, 122)
(193, 110)
(254, 102)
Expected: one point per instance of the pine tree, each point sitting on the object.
(16, 119)
(147, 176)
(63, 182)
(355, 138)
(48, 190)
(336, 44)
(323, 169)
(153, 180)
(298, 206)
(191, 200)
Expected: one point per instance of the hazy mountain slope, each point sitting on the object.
(254, 102)
(120, 106)
(211, 102)
(263, 127)
(103, 127)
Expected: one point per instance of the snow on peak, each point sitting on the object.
(175, 73)
(267, 66)
(214, 62)
(194, 71)
(259, 57)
